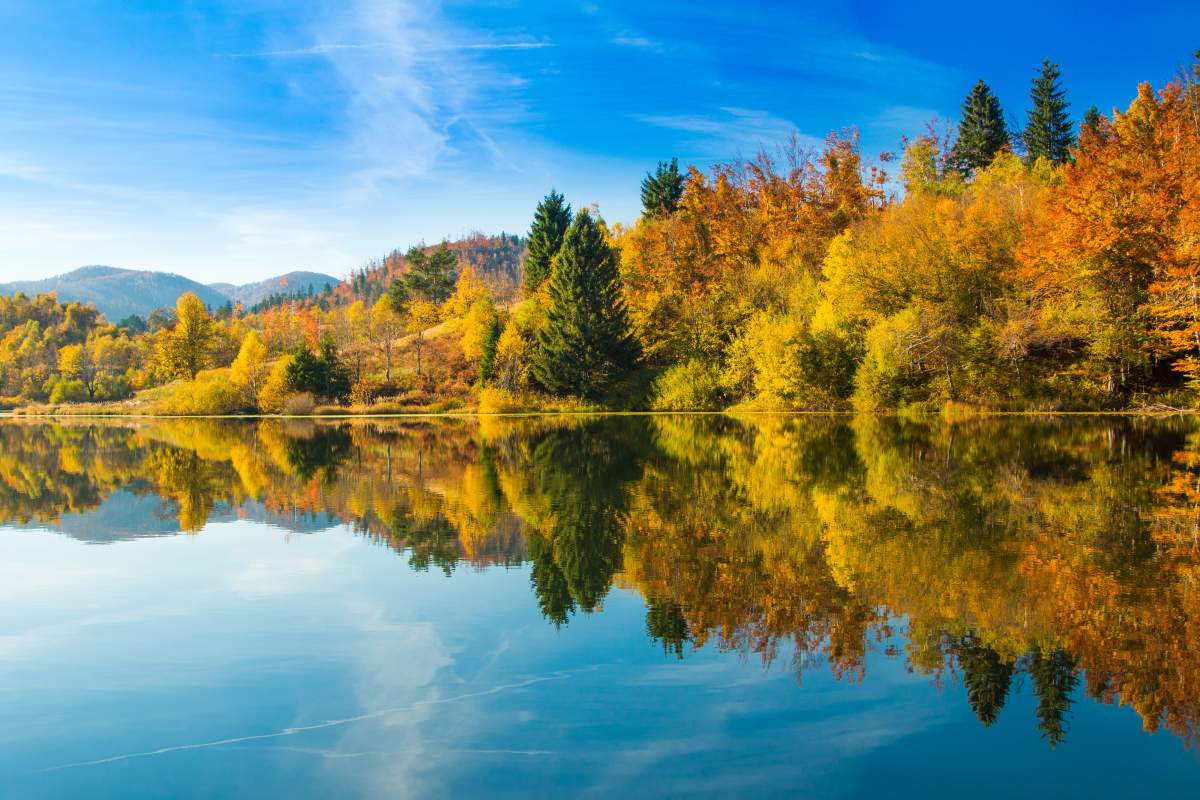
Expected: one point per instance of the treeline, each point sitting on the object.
(1052, 267)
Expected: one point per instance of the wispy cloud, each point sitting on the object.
(334, 47)
(732, 130)
(634, 40)
(409, 79)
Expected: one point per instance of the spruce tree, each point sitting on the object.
(981, 132)
(662, 189)
(586, 343)
(550, 223)
(1049, 133)
(487, 357)
(1054, 679)
(1091, 121)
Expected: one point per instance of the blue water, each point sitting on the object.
(251, 662)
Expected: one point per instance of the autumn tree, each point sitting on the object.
(422, 315)
(662, 189)
(187, 348)
(1117, 245)
(76, 364)
(387, 325)
(1049, 133)
(586, 343)
(249, 370)
(550, 223)
(982, 132)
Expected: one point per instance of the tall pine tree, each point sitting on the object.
(1049, 133)
(586, 343)
(550, 223)
(981, 132)
(662, 189)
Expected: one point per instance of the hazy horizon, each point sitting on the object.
(234, 142)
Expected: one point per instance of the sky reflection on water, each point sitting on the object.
(376, 615)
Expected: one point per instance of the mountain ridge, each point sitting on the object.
(118, 292)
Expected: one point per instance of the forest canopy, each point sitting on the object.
(1049, 266)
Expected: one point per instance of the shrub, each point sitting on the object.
(299, 404)
(65, 391)
(690, 386)
(210, 393)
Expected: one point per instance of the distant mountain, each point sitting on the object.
(291, 283)
(117, 293)
(126, 514)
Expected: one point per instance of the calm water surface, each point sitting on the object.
(623, 606)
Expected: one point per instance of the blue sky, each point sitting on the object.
(230, 141)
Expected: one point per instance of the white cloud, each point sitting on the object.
(409, 78)
(733, 131)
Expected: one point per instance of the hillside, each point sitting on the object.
(498, 260)
(117, 293)
(292, 283)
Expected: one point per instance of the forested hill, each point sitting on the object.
(117, 293)
(497, 259)
(292, 283)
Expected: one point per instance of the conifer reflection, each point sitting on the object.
(1056, 554)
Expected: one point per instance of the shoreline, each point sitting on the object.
(958, 416)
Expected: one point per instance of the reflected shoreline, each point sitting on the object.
(1064, 550)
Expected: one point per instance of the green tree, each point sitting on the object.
(1054, 678)
(549, 584)
(986, 676)
(550, 223)
(487, 354)
(981, 131)
(586, 343)
(431, 276)
(321, 373)
(188, 347)
(1049, 133)
(1091, 121)
(662, 189)
(666, 623)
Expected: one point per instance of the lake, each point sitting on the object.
(633, 606)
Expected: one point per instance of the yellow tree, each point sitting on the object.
(249, 369)
(387, 324)
(422, 315)
(187, 348)
(75, 364)
(352, 332)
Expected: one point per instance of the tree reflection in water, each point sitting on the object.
(1064, 550)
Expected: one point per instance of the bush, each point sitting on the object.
(299, 404)
(891, 374)
(211, 393)
(65, 391)
(690, 386)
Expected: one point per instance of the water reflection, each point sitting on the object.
(1062, 552)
